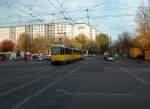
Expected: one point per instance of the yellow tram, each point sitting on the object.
(61, 53)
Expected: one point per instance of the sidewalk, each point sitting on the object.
(134, 61)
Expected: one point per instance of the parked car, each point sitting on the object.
(109, 58)
(2, 56)
(7, 56)
(106, 54)
(26, 56)
(91, 55)
(43, 57)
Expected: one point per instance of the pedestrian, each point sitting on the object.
(140, 58)
(117, 57)
(18, 55)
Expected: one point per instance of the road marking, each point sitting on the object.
(26, 84)
(135, 76)
(16, 74)
(62, 90)
(48, 86)
(101, 94)
(21, 77)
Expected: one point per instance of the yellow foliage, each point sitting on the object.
(21, 43)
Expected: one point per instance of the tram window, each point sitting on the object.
(66, 51)
(77, 52)
(62, 51)
(74, 51)
(56, 50)
(71, 51)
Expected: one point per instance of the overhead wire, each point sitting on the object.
(61, 4)
(41, 18)
(66, 17)
(59, 11)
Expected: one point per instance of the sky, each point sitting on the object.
(109, 16)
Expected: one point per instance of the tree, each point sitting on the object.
(7, 46)
(136, 43)
(38, 45)
(102, 41)
(83, 40)
(125, 42)
(144, 27)
(92, 46)
(21, 43)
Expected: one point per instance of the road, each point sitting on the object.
(92, 83)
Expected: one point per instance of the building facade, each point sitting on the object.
(56, 30)
(87, 30)
(4, 34)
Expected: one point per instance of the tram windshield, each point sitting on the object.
(56, 50)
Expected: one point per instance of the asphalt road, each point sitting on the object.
(89, 84)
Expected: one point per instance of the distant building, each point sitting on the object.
(56, 30)
(87, 30)
(4, 34)
(18, 30)
(62, 29)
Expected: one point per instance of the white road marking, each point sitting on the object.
(14, 75)
(101, 94)
(62, 90)
(24, 85)
(21, 77)
(135, 76)
(48, 86)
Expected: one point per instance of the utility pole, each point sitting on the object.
(88, 18)
(110, 44)
(149, 14)
(26, 46)
(53, 26)
(87, 10)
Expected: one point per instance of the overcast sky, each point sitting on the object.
(109, 16)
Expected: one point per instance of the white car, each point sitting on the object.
(43, 57)
(106, 53)
(109, 58)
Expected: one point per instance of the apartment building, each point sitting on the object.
(56, 30)
(4, 34)
(87, 30)
(18, 31)
(61, 29)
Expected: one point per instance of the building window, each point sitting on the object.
(81, 27)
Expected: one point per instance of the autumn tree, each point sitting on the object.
(71, 42)
(143, 29)
(83, 40)
(92, 47)
(38, 45)
(136, 43)
(102, 41)
(125, 42)
(21, 43)
(33, 44)
(7, 46)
